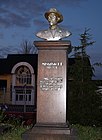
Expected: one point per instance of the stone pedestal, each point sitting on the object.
(51, 123)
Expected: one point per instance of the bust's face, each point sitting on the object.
(52, 18)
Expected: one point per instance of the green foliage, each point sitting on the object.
(84, 103)
(11, 127)
(14, 120)
(89, 133)
(85, 38)
(15, 134)
(2, 114)
(81, 70)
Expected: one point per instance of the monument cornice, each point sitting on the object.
(53, 45)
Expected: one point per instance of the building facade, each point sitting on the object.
(18, 75)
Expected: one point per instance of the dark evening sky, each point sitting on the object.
(21, 19)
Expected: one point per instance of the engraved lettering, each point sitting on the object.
(53, 65)
(53, 83)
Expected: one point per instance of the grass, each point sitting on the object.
(84, 133)
(89, 133)
(15, 134)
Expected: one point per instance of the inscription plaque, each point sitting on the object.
(53, 83)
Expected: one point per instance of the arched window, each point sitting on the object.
(23, 75)
(23, 83)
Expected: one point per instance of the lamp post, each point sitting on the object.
(24, 97)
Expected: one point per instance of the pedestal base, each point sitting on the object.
(50, 132)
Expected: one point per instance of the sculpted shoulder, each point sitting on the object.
(42, 34)
(65, 33)
(55, 34)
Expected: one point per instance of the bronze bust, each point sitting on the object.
(54, 32)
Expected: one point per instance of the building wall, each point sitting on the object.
(5, 96)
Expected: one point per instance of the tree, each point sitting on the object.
(4, 52)
(85, 38)
(27, 48)
(84, 102)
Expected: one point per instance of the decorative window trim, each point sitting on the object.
(20, 64)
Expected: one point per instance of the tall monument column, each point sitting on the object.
(51, 81)
(51, 122)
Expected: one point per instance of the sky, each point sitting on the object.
(21, 19)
